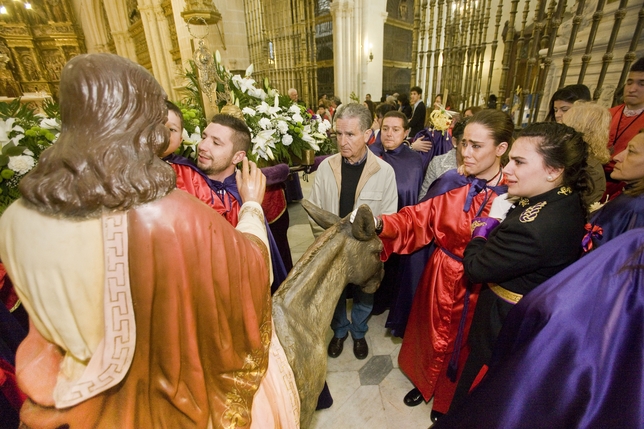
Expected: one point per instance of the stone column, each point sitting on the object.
(91, 20)
(375, 16)
(119, 22)
(358, 28)
(338, 12)
(157, 37)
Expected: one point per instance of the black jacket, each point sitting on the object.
(540, 237)
(417, 121)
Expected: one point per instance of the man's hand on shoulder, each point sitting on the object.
(251, 182)
(422, 145)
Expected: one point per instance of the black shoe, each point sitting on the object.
(435, 415)
(413, 398)
(336, 345)
(360, 348)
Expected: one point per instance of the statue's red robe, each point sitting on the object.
(201, 300)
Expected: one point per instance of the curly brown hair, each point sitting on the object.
(107, 156)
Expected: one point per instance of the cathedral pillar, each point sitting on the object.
(118, 21)
(338, 13)
(159, 45)
(90, 15)
(357, 38)
(375, 16)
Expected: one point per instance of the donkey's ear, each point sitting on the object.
(363, 227)
(322, 217)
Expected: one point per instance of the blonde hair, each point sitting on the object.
(593, 121)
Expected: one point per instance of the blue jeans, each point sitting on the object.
(362, 305)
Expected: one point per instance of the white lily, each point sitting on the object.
(295, 108)
(248, 111)
(262, 108)
(6, 127)
(193, 138)
(311, 141)
(244, 84)
(257, 93)
(262, 143)
(249, 70)
(298, 118)
(50, 124)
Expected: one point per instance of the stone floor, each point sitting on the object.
(366, 393)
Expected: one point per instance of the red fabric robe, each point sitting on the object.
(202, 306)
(627, 128)
(190, 181)
(438, 303)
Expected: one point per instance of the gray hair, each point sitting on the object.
(355, 110)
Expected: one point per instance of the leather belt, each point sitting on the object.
(504, 294)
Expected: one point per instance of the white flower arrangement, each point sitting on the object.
(278, 132)
(24, 135)
(279, 128)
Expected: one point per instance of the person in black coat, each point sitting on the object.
(540, 236)
(417, 121)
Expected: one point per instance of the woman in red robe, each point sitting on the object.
(443, 294)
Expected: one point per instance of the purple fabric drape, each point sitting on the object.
(570, 353)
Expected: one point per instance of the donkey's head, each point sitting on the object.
(362, 247)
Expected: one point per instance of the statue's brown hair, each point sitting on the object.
(107, 156)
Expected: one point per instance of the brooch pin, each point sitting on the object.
(531, 213)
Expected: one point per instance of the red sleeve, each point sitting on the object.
(408, 230)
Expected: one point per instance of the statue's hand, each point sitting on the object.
(251, 182)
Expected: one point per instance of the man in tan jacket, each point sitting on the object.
(343, 182)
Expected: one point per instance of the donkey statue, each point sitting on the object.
(303, 305)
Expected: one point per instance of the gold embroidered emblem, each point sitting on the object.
(524, 202)
(475, 225)
(531, 213)
(564, 190)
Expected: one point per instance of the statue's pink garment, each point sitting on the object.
(200, 294)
